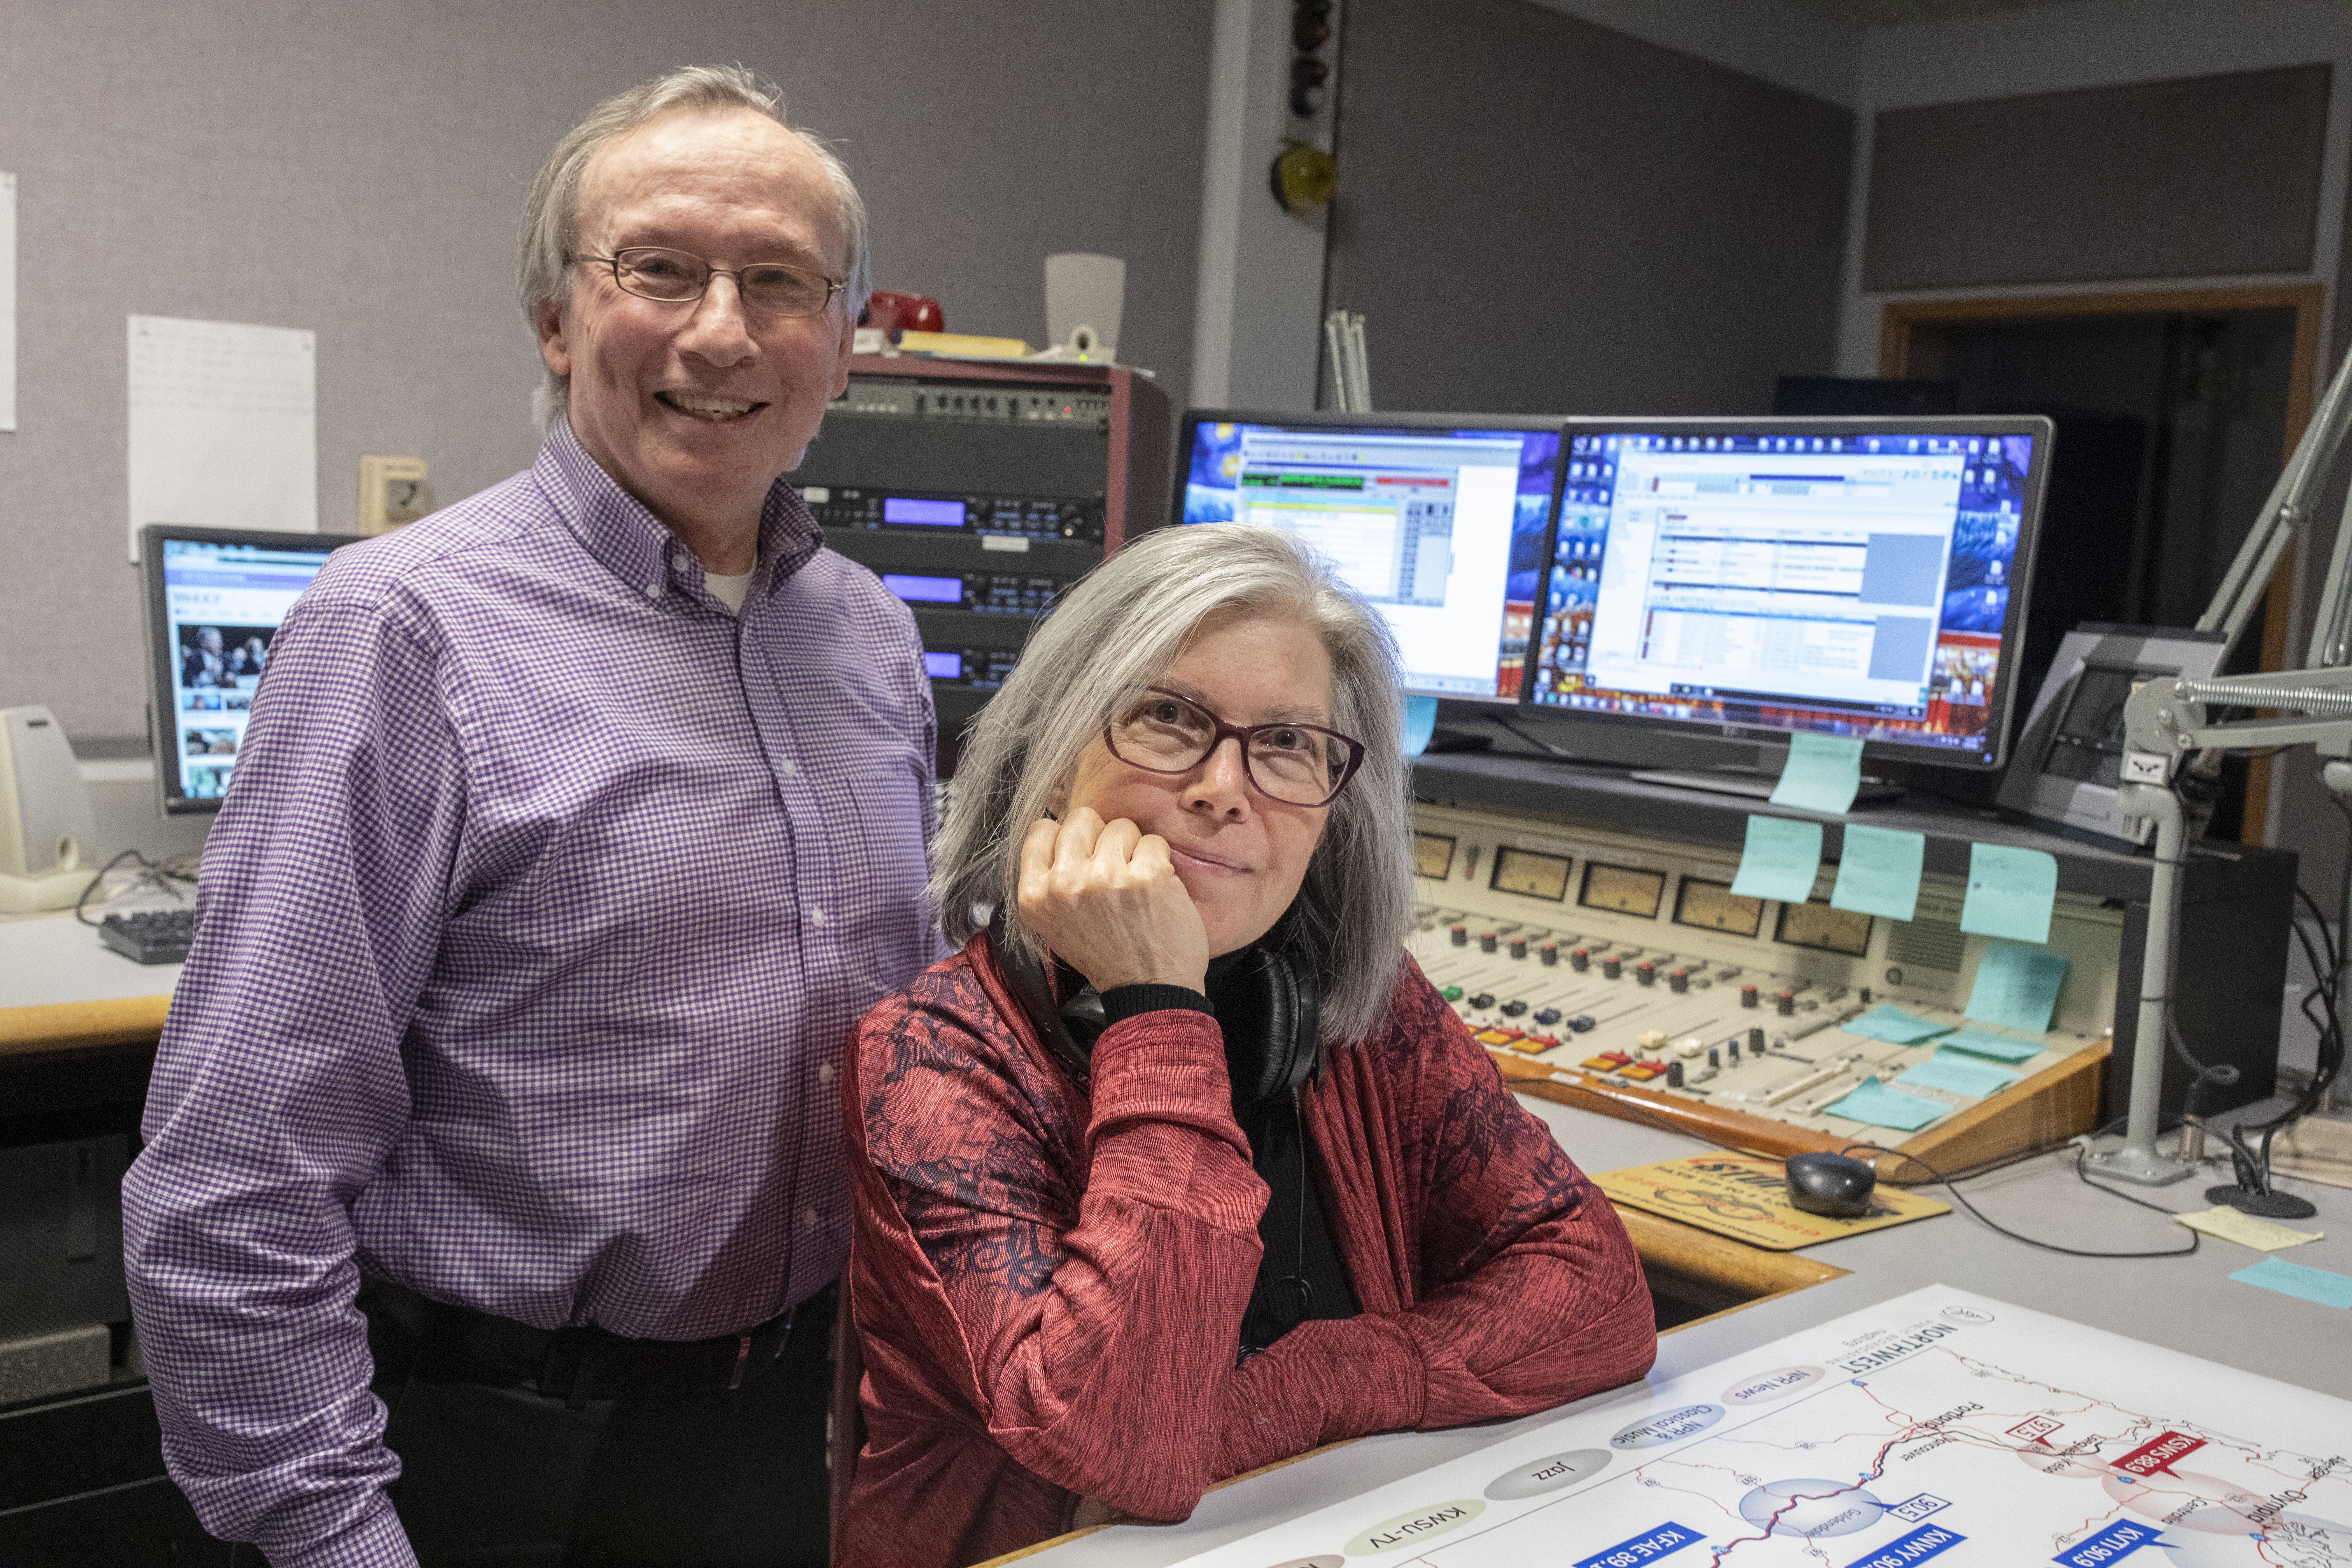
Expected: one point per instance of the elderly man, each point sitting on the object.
(494, 1182)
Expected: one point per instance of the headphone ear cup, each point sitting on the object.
(1037, 998)
(1271, 1016)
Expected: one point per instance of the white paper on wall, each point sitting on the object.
(223, 426)
(7, 301)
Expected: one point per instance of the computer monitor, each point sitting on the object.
(1747, 579)
(213, 598)
(1437, 519)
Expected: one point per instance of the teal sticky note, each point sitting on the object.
(1420, 724)
(2001, 1047)
(1878, 872)
(1822, 773)
(2321, 1285)
(2016, 986)
(1956, 1072)
(1872, 1101)
(2010, 893)
(1892, 1024)
(1780, 859)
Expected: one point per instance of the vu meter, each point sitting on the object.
(1822, 927)
(1535, 875)
(1713, 906)
(1433, 856)
(1627, 891)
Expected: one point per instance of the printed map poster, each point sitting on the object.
(1745, 1197)
(1939, 1424)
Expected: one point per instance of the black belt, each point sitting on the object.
(576, 1365)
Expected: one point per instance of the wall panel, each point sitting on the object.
(358, 170)
(1537, 213)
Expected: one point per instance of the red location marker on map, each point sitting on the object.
(2157, 1457)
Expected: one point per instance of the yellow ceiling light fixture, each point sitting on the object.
(1304, 176)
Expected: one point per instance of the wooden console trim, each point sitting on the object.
(2054, 1104)
(66, 1025)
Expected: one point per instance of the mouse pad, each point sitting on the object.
(1744, 1197)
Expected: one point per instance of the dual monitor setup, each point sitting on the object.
(1732, 581)
(1736, 581)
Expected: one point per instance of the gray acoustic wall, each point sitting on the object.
(1540, 214)
(356, 170)
(2188, 178)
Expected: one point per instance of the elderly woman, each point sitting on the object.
(1181, 1166)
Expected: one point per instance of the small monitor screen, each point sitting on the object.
(214, 604)
(1861, 578)
(943, 666)
(1438, 520)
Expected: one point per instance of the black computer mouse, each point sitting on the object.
(1829, 1185)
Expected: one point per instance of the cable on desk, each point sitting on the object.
(1969, 1173)
(161, 876)
(2082, 1152)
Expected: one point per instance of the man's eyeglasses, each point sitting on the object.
(1298, 764)
(676, 278)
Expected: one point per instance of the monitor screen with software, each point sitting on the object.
(215, 598)
(1749, 579)
(1438, 519)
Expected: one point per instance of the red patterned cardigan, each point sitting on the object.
(1048, 1285)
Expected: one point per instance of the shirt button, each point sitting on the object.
(653, 590)
(825, 1072)
(816, 915)
(791, 770)
(681, 561)
(808, 1218)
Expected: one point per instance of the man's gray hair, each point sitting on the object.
(1119, 629)
(551, 216)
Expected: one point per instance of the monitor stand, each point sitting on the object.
(1751, 782)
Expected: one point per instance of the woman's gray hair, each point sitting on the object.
(1119, 629)
(551, 216)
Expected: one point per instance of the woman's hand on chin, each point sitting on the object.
(1105, 899)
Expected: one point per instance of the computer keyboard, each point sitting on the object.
(152, 936)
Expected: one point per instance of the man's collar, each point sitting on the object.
(633, 544)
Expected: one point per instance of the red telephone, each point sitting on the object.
(895, 312)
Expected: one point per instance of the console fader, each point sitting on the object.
(1623, 975)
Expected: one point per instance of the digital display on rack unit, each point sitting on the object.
(943, 666)
(916, 589)
(908, 511)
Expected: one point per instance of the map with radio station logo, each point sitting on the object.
(1940, 1425)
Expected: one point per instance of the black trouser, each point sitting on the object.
(503, 1475)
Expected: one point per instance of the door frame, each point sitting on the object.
(1901, 341)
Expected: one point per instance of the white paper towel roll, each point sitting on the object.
(1084, 293)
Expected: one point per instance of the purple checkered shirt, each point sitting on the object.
(532, 929)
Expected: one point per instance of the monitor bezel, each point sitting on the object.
(163, 666)
(1774, 737)
(1332, 419)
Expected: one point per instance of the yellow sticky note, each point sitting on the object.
(2245, 1229)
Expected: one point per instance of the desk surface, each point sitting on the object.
(2188, 1304)
(61, 987)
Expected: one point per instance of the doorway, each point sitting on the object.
(2175, 411)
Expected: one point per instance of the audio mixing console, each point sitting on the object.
(1623, 975)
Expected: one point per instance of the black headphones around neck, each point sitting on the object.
(1268, 1007)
